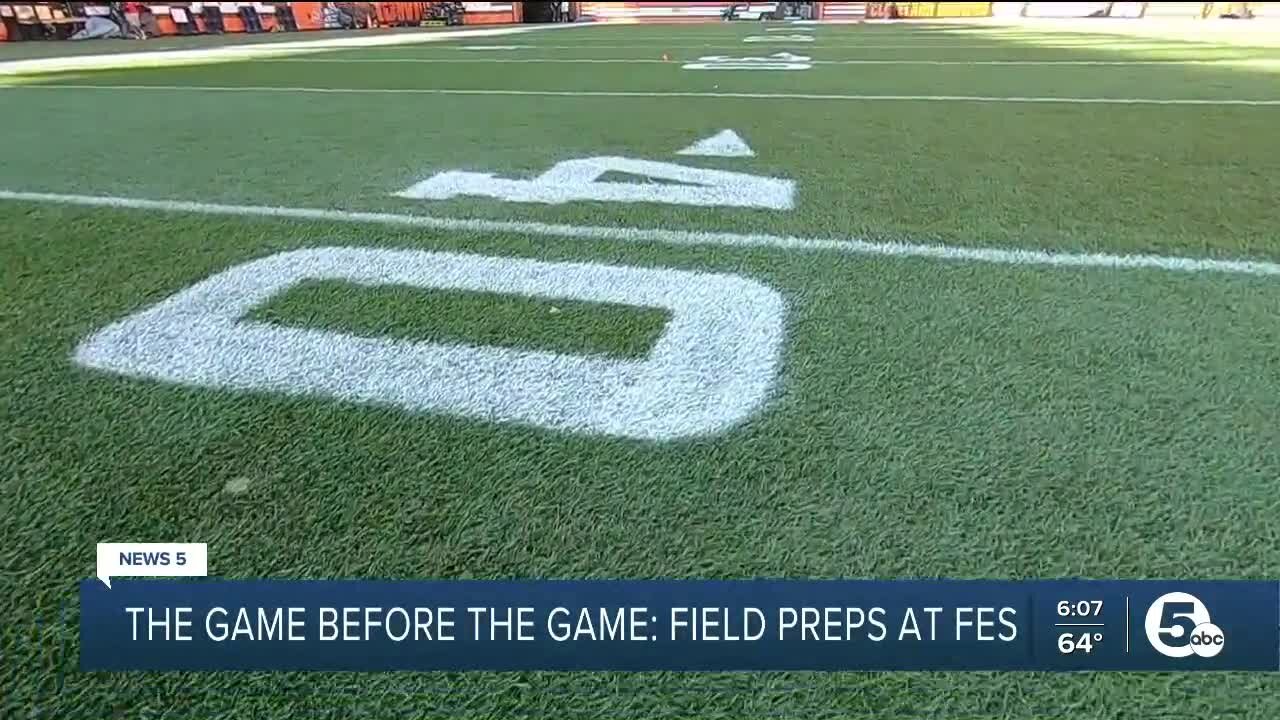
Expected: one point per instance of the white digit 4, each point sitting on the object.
(579, 180)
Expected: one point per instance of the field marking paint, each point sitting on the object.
(825, 43)
(725, 143)
(777, 38)
(996, 256)
(776, 61)
(1255, 62)
(658, 46)
(654, 94)
(578, 179)
(711, 369)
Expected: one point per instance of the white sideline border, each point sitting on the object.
(1253, 62)
(659, 47)
(852, 246)
(655, 94)
(248, 51)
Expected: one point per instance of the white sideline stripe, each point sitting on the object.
(627, 61)
(169, 58)
(999, 256)
(646, 94)
(659, 46)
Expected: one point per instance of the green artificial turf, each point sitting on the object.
(930, 417)
(1187, 180)
(556, 325)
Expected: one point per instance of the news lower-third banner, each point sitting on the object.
(679, 625)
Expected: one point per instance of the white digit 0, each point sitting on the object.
(711, 369)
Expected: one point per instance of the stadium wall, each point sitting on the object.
(491, 13)
(1162, 10)
(662, 11)
(829, 11)
(836, 11)
(311, 15)
(939, 9)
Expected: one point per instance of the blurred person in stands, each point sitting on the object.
(353, 15)
(133, 20)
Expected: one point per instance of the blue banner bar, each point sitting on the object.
(680, 625)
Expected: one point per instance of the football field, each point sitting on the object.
(705, 301)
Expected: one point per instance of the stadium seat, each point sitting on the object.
(8, 24)
(249, 16)
(213, 22)
(27, 22)
(285, 21)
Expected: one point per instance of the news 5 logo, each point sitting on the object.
(1178, 626)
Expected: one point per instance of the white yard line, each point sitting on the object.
(228, 53)
(659, 46)
(1261, 62)
(999, 256)
(646, 94)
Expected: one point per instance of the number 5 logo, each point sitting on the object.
(1178, 625)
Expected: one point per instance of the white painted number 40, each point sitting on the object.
(711, 368)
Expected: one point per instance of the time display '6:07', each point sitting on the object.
(1079, 608)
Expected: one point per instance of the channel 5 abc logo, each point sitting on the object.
(1178, 626)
